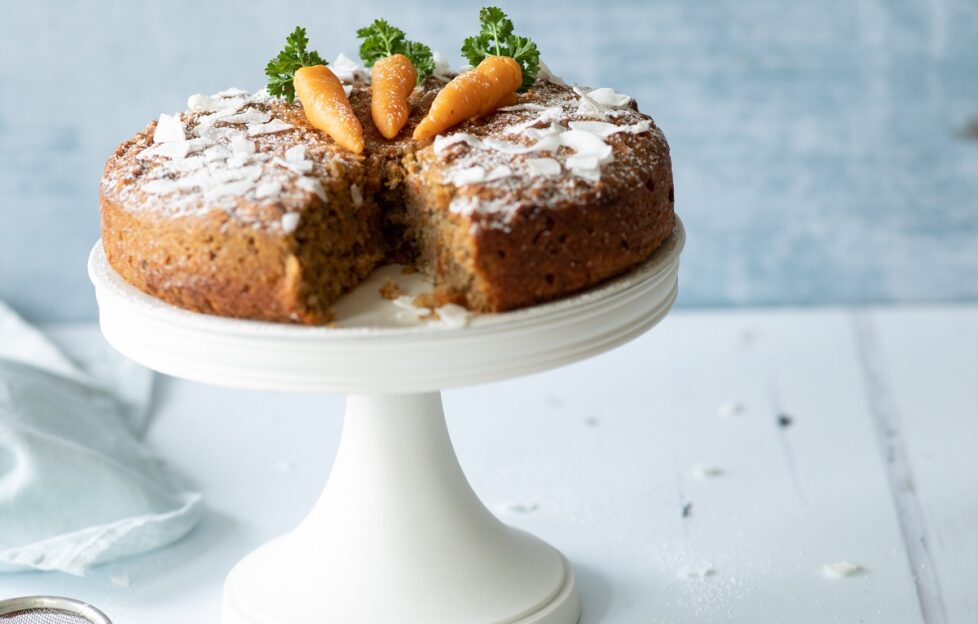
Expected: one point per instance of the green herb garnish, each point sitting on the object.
(281, 69)
(497, 39)
(381, 40)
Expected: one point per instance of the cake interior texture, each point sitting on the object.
(250, 212)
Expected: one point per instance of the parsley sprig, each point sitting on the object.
(281, 69)
(381, 40)
(497, 39)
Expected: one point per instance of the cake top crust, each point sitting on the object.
(256, 159)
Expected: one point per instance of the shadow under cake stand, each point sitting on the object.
(397, 535)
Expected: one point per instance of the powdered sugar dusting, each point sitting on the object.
(231, 152)
(560, 145)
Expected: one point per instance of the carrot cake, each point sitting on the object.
(238, 207)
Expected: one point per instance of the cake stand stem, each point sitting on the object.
(398, 535)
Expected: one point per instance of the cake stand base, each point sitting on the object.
(398, 535)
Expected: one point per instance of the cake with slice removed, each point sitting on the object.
(238, 207)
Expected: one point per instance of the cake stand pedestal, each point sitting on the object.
(397, 535)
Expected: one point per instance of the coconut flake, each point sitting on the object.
(241, 146)
(247, 116)
(586, 144)
(269, 188)
(607, 96)
(159, 187)
(347, 70)
(169, 128)
(544, 73)
(313, 185)
(275, 125)
(295, 154)
(237, 187)
(543, 166)
(841, 569)
(443, 68)
(498, 173)
(173, 150)
(529, 106)
(216, 152)
(470, 175)
(442, 142)
(233, 92)
(290, 221)
(548, 115)
(453, 316)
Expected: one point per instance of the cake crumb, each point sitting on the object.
(409, 270)
(390, 290)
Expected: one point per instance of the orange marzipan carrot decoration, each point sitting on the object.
(472, 94)
(392, 81)
(327, 106)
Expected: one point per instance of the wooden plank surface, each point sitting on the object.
(604, 457)
(927, 363)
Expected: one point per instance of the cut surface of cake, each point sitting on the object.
(238, 207)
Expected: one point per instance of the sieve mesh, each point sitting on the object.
(43, 616)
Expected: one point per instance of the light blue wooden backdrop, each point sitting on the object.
(820, 146)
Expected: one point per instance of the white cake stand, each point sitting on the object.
(398, 535)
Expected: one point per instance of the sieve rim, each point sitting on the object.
(58, 603)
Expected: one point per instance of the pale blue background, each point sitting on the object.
(819, 146)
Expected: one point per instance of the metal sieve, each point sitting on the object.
(49, 610)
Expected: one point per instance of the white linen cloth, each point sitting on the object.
(77, 487)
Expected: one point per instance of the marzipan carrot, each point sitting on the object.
(327, 107)
(397, 65)
(392, 81)
(472, 94)
(503, 63)
(296, 70)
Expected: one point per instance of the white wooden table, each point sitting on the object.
(842, 435)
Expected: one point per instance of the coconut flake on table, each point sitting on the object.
(348, 70)
(275, 125)
(841, 569)
(169, 128)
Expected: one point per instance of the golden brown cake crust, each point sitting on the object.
(473, 210)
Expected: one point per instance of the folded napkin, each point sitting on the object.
(77, 487)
